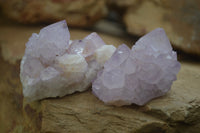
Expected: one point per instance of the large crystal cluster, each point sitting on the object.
(53, 65)
(139, 74)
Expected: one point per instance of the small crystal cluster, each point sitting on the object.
(53, 65)
(139, 74)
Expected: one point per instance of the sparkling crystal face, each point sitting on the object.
(139, 74)
(53, 65)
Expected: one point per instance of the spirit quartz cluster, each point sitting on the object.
(139, 74)
(54, 66)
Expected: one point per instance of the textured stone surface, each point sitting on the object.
(78, 13)
(180, 19)
(90, 111)
(54, 66)
(178, 111)
(138, 75)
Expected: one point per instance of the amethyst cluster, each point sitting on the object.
(139, 74)
(54, 66)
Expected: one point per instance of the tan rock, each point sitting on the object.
(78, 13)
(180, 19)
(11, 99)
(85, 111)
(178, 111)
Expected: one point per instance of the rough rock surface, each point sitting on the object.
(54, 66)
(180, 19)
(78, 13)
(139, 74)
(176, 112)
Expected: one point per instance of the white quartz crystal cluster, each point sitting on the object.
(55, 66)
(139, 74)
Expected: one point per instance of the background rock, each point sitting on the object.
(78, 13)
(180, 19)
(176, 112)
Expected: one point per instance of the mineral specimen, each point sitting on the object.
(55, 66)
(139, 74)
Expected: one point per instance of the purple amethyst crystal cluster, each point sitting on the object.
(53, 65)
(139, 74)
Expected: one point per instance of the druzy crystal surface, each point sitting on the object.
(53, 65)
(139, 74)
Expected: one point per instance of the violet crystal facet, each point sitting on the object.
(53, 65)
(139, 74)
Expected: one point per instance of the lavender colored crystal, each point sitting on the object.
(53, 65)
(139, 74)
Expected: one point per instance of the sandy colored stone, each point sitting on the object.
(180, 19)
(11, 99)
(85, 111)
(178, 111)
(78, 13)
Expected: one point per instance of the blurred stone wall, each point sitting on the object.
(78, 13)
(180, 19)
